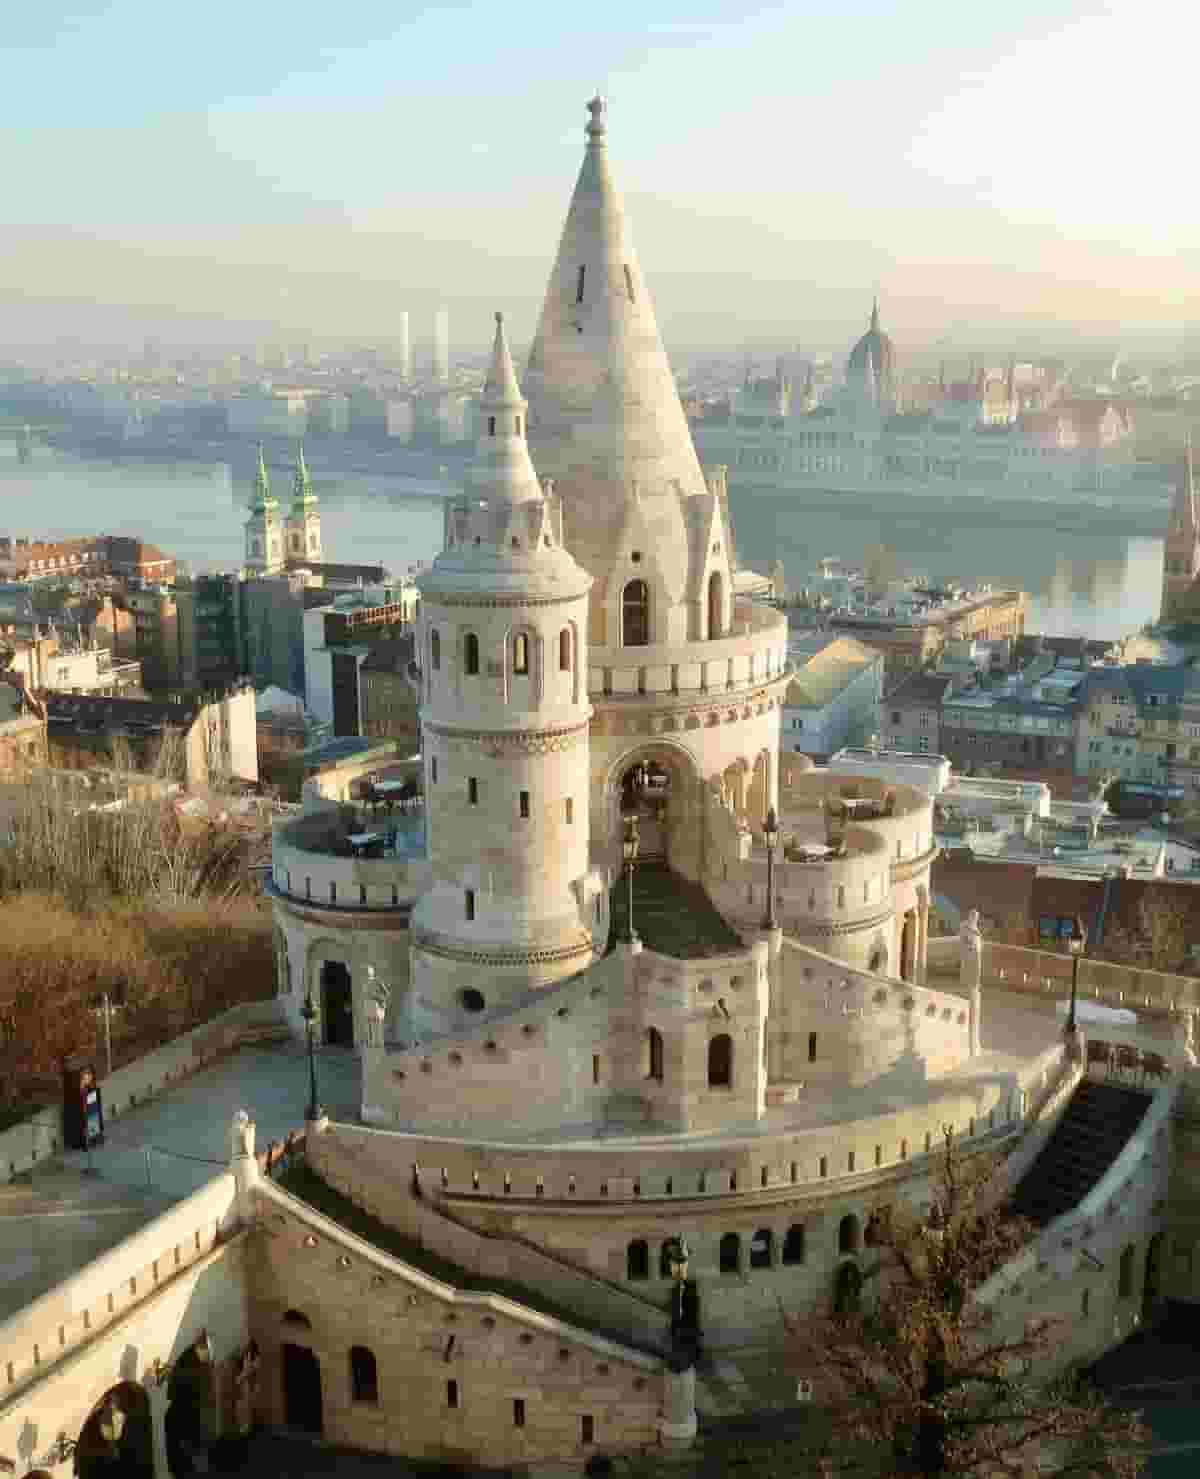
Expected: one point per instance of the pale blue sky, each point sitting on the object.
(328, 164)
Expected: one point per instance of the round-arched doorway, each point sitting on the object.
(117, 1441)
(191, 1417)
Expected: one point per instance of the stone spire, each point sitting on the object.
(1185, 522)
(874, 326)
(501, 471)
(263, 498)
(303, 493)
(603, 404)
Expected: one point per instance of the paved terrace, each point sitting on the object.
(66, 1211)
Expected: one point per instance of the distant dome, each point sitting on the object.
(874, 355)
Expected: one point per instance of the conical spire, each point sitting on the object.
(303, 493)
(604, 409)
(875, 315)
(262, 483)
(500, 389)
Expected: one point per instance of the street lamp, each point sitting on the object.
(311, 1016)
(1077, 945)
(629, 851)
(771, 838)
(201, 1348)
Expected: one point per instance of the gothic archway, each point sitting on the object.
(117, 1441)
(656, 783)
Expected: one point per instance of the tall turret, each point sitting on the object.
(304, 520)
(1181, 557)
(264, 531)
(504, 714)
(607, 424)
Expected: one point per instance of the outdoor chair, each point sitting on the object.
(1100, 1052)
(1128, 1058)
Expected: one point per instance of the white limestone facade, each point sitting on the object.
(513, 901)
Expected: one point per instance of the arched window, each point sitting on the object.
(637, 1259)
(1125, 1275)
(793, 1244)
(720, 1062)
(471, 653)
(520, 651)
(296, 1320)
(849, 1236)
(635, 614)
(564, 650)
(760, 1248)
(435, 650)
(364, 1375)
(716, 605)
(654, 1054)
(729, 1255)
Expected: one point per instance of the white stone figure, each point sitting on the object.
(241, 1137)
(375, 1008)
(1184, 1035)
(970, 976)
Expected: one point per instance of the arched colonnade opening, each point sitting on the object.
(117, 1440)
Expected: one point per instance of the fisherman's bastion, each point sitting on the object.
(569, 1111)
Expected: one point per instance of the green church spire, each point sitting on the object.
(303, 493)
(262, 484)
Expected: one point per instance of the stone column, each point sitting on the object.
(158, 1424)
(677, 1426)
(970, 975)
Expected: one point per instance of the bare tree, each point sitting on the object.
(924, 1383)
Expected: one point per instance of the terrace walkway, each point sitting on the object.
(672, 916)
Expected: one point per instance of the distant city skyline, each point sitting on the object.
(990, 174)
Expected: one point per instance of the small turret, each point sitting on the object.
(1181, 558)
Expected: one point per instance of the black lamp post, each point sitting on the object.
(311, 1016)
(1077, 945)
(771, 838)
(629, 850)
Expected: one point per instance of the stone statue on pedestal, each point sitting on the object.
(241, 1137)
(1184, 1035)
(377, 999)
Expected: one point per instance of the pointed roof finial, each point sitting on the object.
(875, 314)
(262, 483)
(302, 487)
(501, 388)
(597, 126)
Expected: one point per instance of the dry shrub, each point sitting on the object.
(175, 965)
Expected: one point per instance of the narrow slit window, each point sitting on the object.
(629, 284)
(473, 791)
(469, 900)
(451, 1393)
(579, 284)
(525, 806)
(521, 654)
(569, 810)
(491, 426)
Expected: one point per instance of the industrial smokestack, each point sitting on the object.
(405, 349)
(441, 346)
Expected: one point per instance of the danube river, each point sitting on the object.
(1082, 583)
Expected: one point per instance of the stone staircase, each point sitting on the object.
(672, 915)
(1092, 1132)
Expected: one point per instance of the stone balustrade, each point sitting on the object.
(311, 864)
(754, 652)
(75, 1311)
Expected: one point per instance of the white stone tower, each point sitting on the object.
(264, 531)
(304, 520)
(505, 713)
(1181, 558)
(684, 678)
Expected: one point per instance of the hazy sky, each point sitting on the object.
(984, 167)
